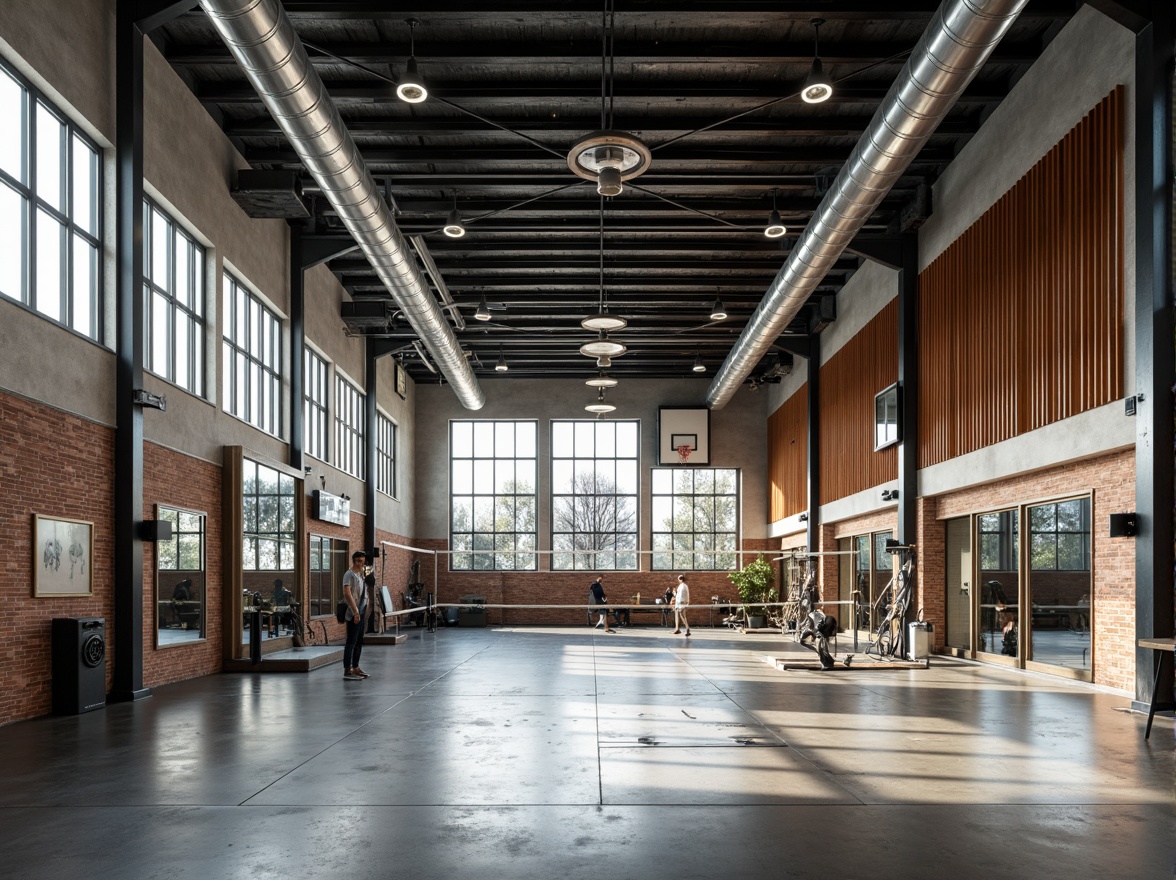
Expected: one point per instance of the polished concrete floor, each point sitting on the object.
(567, 754)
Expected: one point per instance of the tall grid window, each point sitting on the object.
(594, 494)
(253, 357)
(50, 210)
(349, 427)
(1059, 536)
(314, 405)
(173, 300)
(267, 513)
(385, 455)
(695, 518)
(493, 495)
(999, 540)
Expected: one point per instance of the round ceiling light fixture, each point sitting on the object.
(453, 227)
(412, 89)
(604, 322)
(602, 381)
(602, 346)
(775, 227)
(609, 158)
(600, 406)
(817, 89)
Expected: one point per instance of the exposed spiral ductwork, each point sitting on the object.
(261, 38)
(951, 51)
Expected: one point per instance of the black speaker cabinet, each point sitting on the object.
(1122, 525)
(79, 664)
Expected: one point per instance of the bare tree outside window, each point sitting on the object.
(695, 518)
(594, 495)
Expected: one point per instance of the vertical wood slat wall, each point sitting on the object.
(1021, 318)
(788, 457)
(849, 380)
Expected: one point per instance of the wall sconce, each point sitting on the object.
(323, 482)
(803, 517)
(889, 494)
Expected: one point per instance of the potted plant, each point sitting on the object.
(755, 584)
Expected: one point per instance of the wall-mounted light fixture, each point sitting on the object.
(803, 517)
(889, 494)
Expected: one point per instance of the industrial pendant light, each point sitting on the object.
(817, 88)
(718, 312)
(602, 346)
(602, 380)
(453, 227)
(412, 88)
(501, 366)
(602, 320)
(775, 227)
(600, 406)
(483, 312)
(699, 366)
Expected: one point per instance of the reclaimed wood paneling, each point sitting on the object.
(849, 380)
(1021, 318)
(788, 457)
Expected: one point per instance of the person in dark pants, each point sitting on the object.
(355, 594)
(596, 591)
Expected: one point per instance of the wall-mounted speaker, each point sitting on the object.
(1122, 525)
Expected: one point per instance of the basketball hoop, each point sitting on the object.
(684, 453)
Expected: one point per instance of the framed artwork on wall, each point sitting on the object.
(62, 557)
(401, 380)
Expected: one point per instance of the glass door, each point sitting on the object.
(958, 583)
(997, 593)
(1059, 585)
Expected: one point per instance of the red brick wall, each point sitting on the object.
(1111, 480)
(176, 480)
(571, 588)
(73, 482)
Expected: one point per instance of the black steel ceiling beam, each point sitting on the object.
(482, 155)
(487, 52)
(870, 10)
(363, 128)
(344, 91)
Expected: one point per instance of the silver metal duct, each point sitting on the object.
(954, 47)
(261, 38)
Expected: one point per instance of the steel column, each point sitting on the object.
(1154, 368)
(128, 435)
(813, 533)
(908, 389)
(297, 346)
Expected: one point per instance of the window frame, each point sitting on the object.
(387, 436)
(33, 203)
(521, 559)
(316, 409)
(233, 348)
(350, 428)
(580, 561)
(679, 555)
(1057, 532)
(197, 283)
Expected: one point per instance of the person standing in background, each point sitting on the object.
(681, 600)
(355, 595)
(596, 593)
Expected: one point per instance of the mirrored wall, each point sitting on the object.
(180, 579)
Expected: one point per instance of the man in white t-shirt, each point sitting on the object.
(355, 594)
(681, 600)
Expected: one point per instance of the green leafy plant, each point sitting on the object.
(755, 584)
